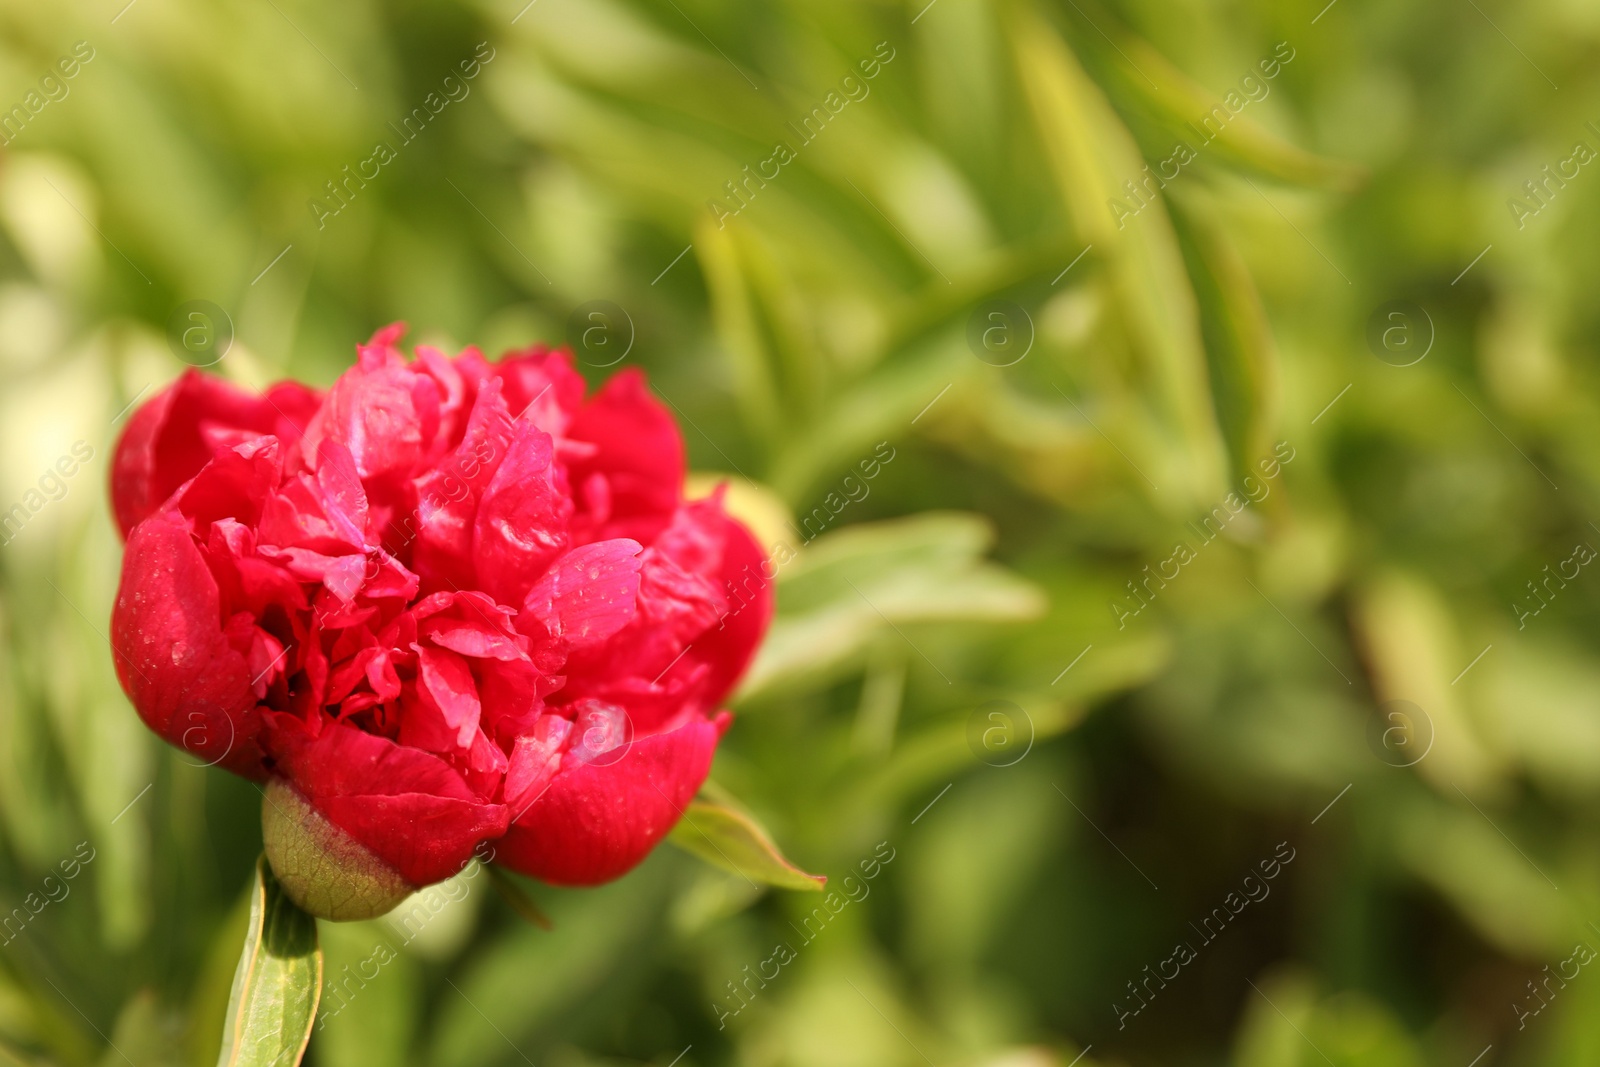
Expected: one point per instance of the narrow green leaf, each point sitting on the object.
(737, 318)
(850, 586)
(1239, 344)
(728, 838)
(277, 984)
(1092, 154)
(1180, 104)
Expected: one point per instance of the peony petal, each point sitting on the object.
(639, 452)
(410, 808)
(745, 577)
(233, 484)
(705, 600)
(295, 516)
(340, 575)
(344, 500)
(386, 577)
(535, 758)
(447, 496)
(511, 693)
(595, 821)
(445, 715)
(248, 581)
(521, 524)
(383, 412)
(675, 607)
(173, 435)
(551, 660)
(471, 637)
(588, 594)
(174, 661)
(456, 394)
(446, 677)
(541, 387)
(381, 345)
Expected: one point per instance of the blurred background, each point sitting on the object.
(1182, 413)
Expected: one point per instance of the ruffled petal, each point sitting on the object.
(541, 387)
(521, 525)
(176, 433)
(382, 411)
(440, 533)
(232, 484)
(577, 622)
(596, 820)
(587, 595)
(705, 600)
(444, 715)
(638, 454)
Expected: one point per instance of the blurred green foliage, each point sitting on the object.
(830, 313)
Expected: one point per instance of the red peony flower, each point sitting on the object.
(447, 602)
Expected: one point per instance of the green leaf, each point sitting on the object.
(728, 838)
(1178, 103)
(852, 586)
(1091, 154)
(1239, 345)
(737, 318)
(277, 984)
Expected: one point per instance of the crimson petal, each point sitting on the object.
(370, 788)
(173, 659)
(595, 821)
(177, 432)
(639, 454)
